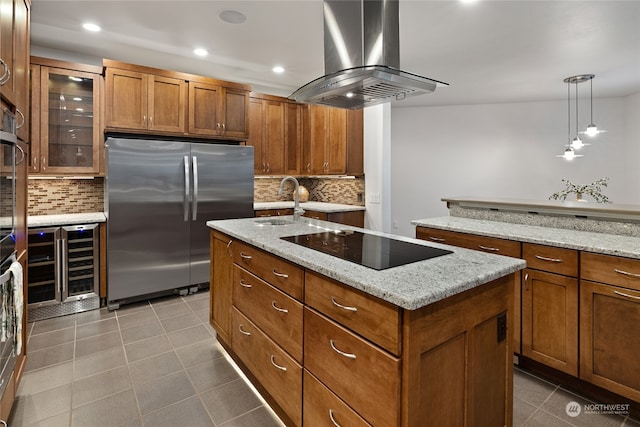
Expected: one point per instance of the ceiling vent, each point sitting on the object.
(362, 58)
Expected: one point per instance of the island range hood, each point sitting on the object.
(362, 58)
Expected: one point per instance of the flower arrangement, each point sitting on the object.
(594, 190)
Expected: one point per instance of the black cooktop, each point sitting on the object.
(370, 250)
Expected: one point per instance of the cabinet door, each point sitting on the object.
(7, 78)
(292, 139)
(167, 104)
(221, 285)
(274, 136)
(22, 159)
(609, 331)
(34, 123)
(21, 67)
(355, 142)
(318, 118)
(70, 121)
(550, 320)
(126, 100)
(256, 135)
(336, 142)
(203, 109)
(234, 112)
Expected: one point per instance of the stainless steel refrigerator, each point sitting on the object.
(159, 195)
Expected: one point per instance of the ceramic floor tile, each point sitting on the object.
(101, 385)
(200, 352)
(530, 389)
(206, 376)
(543, 419)
(53, 324)
(229, 401)
(142, 331)
(130, 320)
(40, 406)
(98, 362)
(61, 420)
(522, 411)
(182, 321)
(50, 339)
(171, 310)
(629, 422)
(148, 347)
(45, 379)
(560, 399)
(96, 328)
(98, 343)
(94, 315)
(258, 417)
(116, 410)
(154, 395)
(189, 412)
(49, 356)
(155, 367)
(189, 336)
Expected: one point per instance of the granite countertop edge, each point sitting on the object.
(65, 219)
(411, 286)
(601, 243)
(314, 206)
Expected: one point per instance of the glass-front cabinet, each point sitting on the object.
(67, 137)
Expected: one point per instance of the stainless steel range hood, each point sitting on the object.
(361, 58)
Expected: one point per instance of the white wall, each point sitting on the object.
(377, 167)
(506, 150)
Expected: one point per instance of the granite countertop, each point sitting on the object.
(608, 244)
(410, 286)
(312, 206)
(65, 219)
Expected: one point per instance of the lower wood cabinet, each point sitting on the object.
(221, 285)
(550, 320)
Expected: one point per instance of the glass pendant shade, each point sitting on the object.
(577, 144)
(592, 130)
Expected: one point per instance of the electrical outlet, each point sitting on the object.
(374, 197)
(396, 224)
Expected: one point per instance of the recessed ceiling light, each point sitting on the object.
(278, 69)
(232, 16)
(200, 52)
(91, 27)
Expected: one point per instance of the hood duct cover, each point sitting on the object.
(361, 58)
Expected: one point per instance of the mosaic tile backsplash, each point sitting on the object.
(65, 196)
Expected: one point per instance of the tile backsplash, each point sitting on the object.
(348, 191)
(65, 196)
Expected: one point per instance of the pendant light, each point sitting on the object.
(592, 129)
(576, 143)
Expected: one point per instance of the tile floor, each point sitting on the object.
(157, 364)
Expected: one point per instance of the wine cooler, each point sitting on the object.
(63, 270)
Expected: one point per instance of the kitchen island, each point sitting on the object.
(327, 340)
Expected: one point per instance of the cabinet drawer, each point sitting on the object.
(370, 317)
(287, 277)
(316, 215)
(551, 259)
(491, 245)
(609, 269)
(345, 363)
(323, 408)
(276, 313)
(277, 372)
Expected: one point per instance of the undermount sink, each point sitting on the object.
(274, 221)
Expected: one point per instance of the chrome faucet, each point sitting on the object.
(297, 210)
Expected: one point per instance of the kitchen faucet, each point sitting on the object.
(297, 210)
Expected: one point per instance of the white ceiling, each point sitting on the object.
(489, 51)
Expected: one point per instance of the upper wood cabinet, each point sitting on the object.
(324, 140)
(292, 138)
(149, 100)
(66, 130)
(14, 60)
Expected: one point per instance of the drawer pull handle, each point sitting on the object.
(526, 281)
(229, 246)
(626, 273)
(487, 248)
(284, 276)
(333, 420)
(344, 307)
(281, 310)
(437, 239)
(626, 295)
(245, 284)
(342, 353)
(544, 258)
(273, 362)
(245, 256)
(243, 332)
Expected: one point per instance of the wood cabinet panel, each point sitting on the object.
(614, 270)
(324, 140)
(234, 111)
(277, 372)
(274, 136)
(609, 331)
(470, 241)
(126, 99)
(203, 114)
(221, 284)
(282, 274)
(276, 313)
(343, 362)
(167, 104)
(373, 318)
(22, 43)
(548, 258)
(321, 407)
(550, 320)
(272, 212)
(355, 142)
(293, 139)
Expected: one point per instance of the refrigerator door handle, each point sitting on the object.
(194, 205)
(187, 186)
